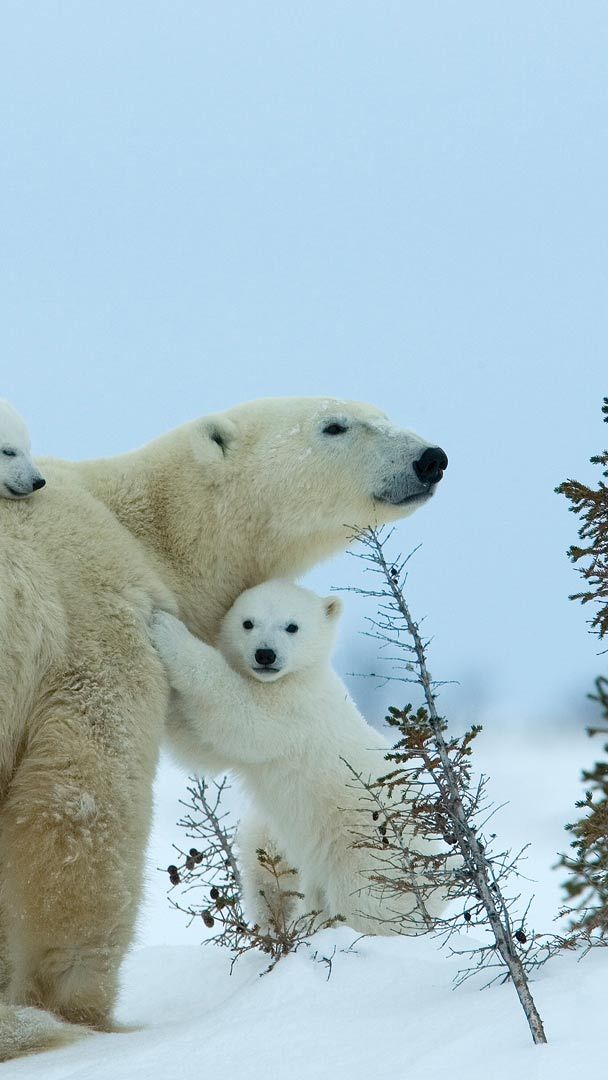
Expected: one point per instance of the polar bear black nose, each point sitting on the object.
(265, 657)
(37, 484)
(431, 464)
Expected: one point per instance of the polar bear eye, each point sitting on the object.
(247, 625)
(292, 628)
(334, 429)
(10, 453)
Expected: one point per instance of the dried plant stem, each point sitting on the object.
(224, 840)
(210, 871)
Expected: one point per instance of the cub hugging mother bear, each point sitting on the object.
(184, 526)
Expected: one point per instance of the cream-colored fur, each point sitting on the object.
(268, 705)
(184, 524)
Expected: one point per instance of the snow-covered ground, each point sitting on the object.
(388, 1007)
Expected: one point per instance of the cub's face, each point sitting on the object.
(277, 629)
(19, 477)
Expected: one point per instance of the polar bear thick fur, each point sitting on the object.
(268, 705)
(184, 524)
(19, 477)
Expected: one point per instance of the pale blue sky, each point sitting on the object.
(402, 203)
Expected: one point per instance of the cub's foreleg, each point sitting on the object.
(219, 716)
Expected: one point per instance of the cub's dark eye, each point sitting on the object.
(248, 625)
(292, 628)
(10, 453)
(334, 429)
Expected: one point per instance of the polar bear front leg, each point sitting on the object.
(199, 728)
(74, 830)
(218, 713)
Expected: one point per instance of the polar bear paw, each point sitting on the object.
(173, 643)
(182, 654)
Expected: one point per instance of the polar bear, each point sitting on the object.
(185, 524)
(268, 705)
(19, 477)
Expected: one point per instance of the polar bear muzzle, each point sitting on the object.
(417, 482)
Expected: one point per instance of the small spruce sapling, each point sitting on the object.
(428, 793)
(587, 885)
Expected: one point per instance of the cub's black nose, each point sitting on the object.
(431, 464)
(37, 484)
(265, 657)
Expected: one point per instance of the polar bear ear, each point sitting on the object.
(333, 607)
(213, 437)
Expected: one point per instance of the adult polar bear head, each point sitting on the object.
(271, 487)
(307, 459)
(268, 489)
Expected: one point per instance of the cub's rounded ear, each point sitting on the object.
(333, 607)
(213, 438)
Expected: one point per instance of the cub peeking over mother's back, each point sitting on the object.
(19, 477)
(268, 705)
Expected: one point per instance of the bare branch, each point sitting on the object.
(429, 794)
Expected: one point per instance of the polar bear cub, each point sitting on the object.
(19, 477)
(268, 705)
